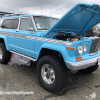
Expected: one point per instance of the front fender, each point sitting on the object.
(5, 41)
(57, 47)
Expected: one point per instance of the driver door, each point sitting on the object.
(22, 44)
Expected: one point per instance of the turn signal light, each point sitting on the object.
(78, 58)
(70, 48)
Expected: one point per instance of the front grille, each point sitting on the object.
(94, 46)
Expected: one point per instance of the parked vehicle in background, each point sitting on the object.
(95, 31)
(57, 46)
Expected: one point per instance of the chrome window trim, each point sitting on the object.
(34, 23)
(18, 24)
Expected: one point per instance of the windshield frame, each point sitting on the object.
(46, 17)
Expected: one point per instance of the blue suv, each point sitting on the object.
(58, 46)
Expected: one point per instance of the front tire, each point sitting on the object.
(52, 73)
(89, 70)
(4, 54)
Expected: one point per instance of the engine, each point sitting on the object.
(66, 37)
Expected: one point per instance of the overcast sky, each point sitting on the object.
(55, 8)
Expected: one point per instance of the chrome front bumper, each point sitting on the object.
(82, 64)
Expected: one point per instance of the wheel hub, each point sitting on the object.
(48, 74)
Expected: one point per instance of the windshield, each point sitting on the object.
(44, 23)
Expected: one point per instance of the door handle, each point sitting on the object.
(17, 31)
(32, 32)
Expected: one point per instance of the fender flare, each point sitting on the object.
(55, 48)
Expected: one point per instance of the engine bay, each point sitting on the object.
(67, 37)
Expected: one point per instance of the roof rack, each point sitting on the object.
(7, 15)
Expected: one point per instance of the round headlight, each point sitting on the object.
(80, 49)
(85, 48)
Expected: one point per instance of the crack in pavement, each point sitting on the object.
(66, 90)
(57, 94)
(97, 86)
(85, 85)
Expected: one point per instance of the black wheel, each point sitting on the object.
(89, 70)
(52, 73)
(4, 54)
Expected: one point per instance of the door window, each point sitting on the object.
(25, 23)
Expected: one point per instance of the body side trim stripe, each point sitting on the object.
(37, 38)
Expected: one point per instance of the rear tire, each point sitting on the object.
(89, 70)
(52, 73)
(4, 54)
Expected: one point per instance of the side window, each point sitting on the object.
(10, 23)
(25, 23)
(7, 24)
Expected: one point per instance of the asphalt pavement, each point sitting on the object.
(24, 79)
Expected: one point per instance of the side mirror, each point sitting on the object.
(30, 29)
